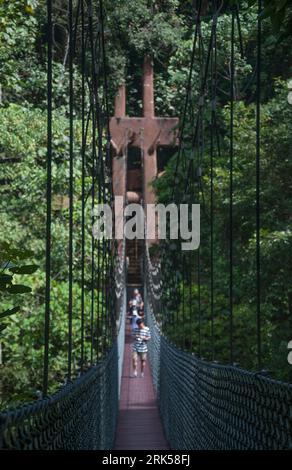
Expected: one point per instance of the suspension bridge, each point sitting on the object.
(184, 401)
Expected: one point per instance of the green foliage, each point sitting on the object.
(22, 224)
(136, 29)
(276, 242)
(277, 11)
(11, 260)
(23, 150)
(19, 34)
(164, 30)
(148, 28)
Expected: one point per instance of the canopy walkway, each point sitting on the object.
(184, 401)
(193, 405)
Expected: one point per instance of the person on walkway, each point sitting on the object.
(141, 336)
(137, 314)
(138, 298)
(132, 310)
(134, 314)
(135, 307)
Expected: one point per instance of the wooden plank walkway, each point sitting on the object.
(139, 424)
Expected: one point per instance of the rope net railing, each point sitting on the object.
(191, 310)
(204, 306)
(82, 413)
(208, 406)
(221, 300)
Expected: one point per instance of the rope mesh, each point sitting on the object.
(82, 415)
(209, 406)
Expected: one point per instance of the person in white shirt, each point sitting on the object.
(141, 334)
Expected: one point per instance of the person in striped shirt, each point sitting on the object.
(141, 336)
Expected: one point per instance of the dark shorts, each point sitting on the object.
(141, 355)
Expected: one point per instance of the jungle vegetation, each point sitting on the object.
(164, 30)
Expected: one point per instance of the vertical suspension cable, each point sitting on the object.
(82, 183)
(112, 303)
(199, 303)
(188, 88)
(201, 152)
(108, 137)
(71, 149)
(98, 322)
(100, 344)
(213, 98)
(103, 282)
(48, 196)
(102, 180)
(198, 187)
(104, 264)
(239, 31)
(190, 271)
(94, 164)
(231, 157)
(92, 239)
(183, 302)
(258, 156)
(178, 290)
(190, 309)
(198, 135)
(104, 320)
